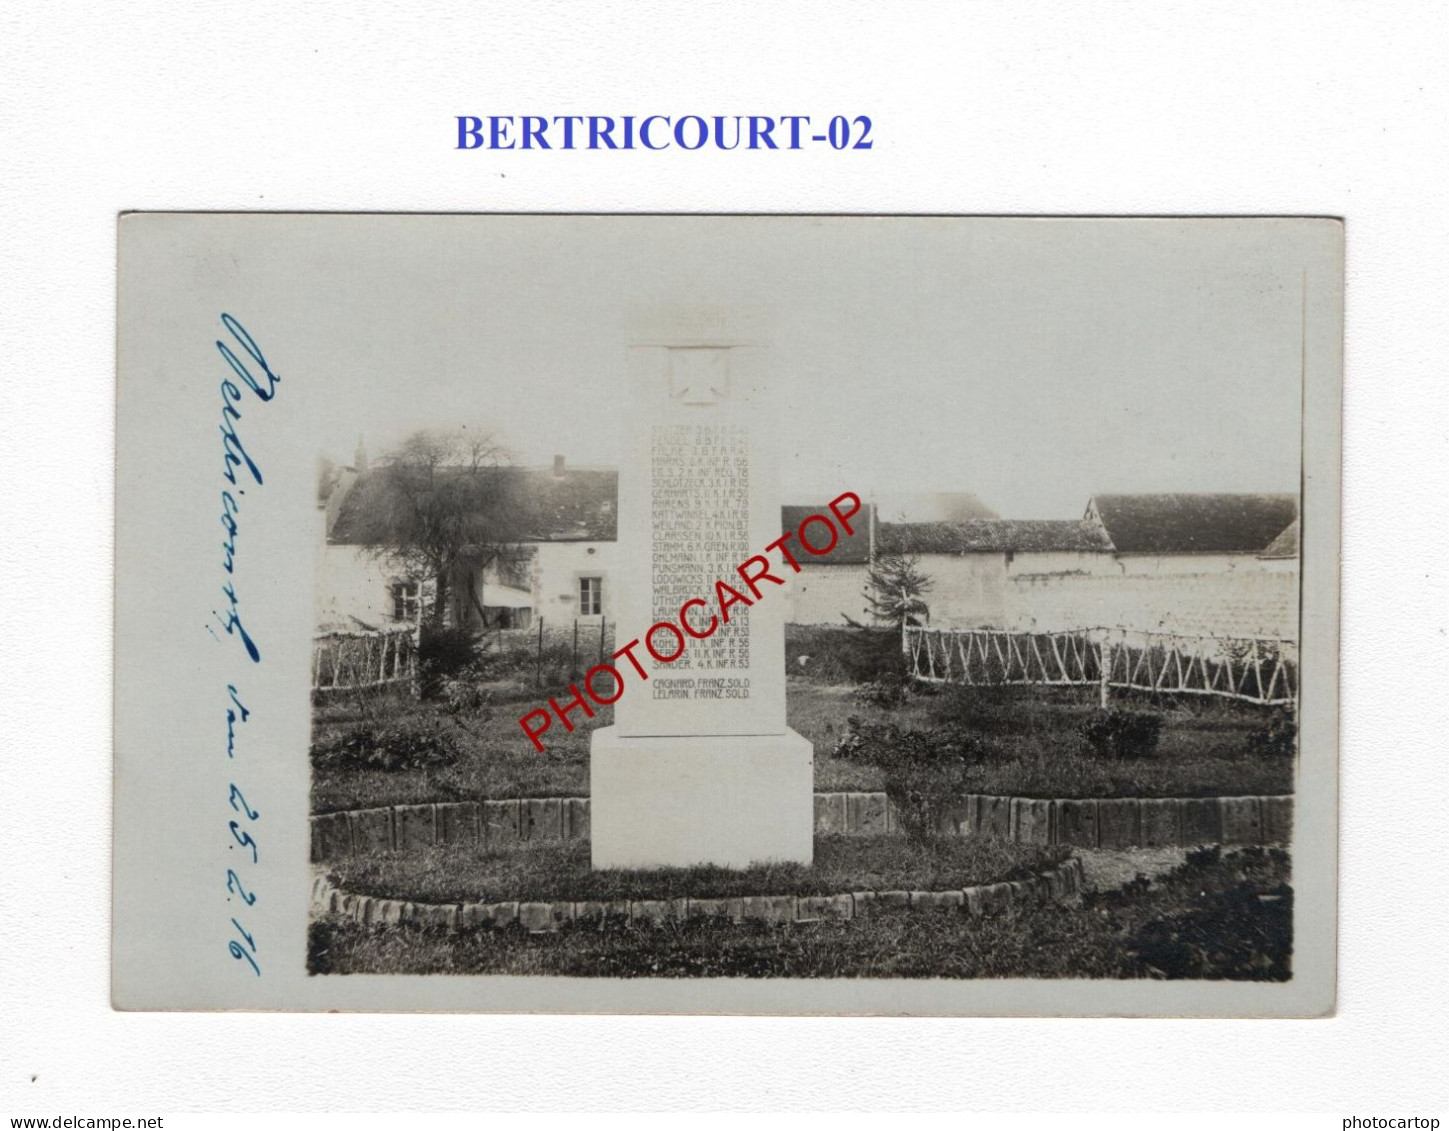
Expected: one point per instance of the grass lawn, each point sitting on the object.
(544, 871)
(1034, 749)
(1215, 917)
(497, 760)
(1030, 737)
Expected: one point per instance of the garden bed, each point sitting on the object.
(1218, 916)
(493, 758)
(1031, 740)
(561, 871)
(1031, 744)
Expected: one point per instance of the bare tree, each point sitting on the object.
(445, 502)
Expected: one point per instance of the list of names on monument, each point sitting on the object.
(700, 523)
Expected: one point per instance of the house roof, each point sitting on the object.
(850, 549)
(1285, 545)
(1193, 523)
(578, 506)
(934, 506)
(581, 505)
(995, 536)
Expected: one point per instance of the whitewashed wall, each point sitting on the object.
(352, 583)
(826, 594)
(1215, 595)
(1260, 599)
(555, 572)
(983, 590)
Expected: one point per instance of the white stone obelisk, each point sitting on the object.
(699, 767)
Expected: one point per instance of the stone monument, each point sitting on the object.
(699, 767)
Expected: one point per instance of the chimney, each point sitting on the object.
(359, 457)
(558, 467)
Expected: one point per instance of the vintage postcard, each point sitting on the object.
(732, 614)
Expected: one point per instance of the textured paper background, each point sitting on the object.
(1324, 108)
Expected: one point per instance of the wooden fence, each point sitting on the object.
(584, 643)
(348, 661)
(1251, 669)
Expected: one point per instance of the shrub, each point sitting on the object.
(442, 654)
(849, 654)
(531, 669)
(1279, 738)
(1202, 858)
(887, 692)
(925, 770)
(464, 696)
(1238, 923)
(407, 742)
(995, 710)
(1118, 733)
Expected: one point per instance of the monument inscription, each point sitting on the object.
(699, 766)
(700, 491)
(697, 496)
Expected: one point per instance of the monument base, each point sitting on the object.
(731, 800)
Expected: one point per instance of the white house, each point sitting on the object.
(830, 589)
(561, 573)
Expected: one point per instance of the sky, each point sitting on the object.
(1030, 362)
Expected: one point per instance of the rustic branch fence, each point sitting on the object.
(350, 661)
(1250, 669)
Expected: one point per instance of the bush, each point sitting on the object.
(464, 696)
(1118, 733)
(887, 692)
(925, 770)
(1279, 739)
(849, 654)
(530, 670)
(1202, 858)
(443, 653)
(1239, 925)
(407, 742)
(997, 710)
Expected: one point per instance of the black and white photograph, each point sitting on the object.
(724, 557)
(763, 601)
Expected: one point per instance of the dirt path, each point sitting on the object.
(1109, 868)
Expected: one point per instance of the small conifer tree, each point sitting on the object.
(895, 590)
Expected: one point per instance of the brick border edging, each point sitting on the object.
(514, 821)
(1080, 822)
(1060, 884)
(1128, 822)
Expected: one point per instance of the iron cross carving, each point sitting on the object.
(699, 375)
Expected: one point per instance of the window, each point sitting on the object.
(591, 596)
(406, 601)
